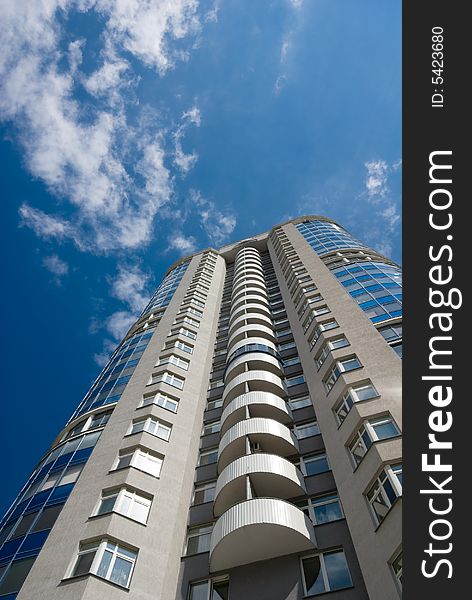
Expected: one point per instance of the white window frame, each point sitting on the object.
(337, 369)
(366, 435)
(298, 428)
(162, 400)
(388, 472)
(203, 530)
(351, 397)
(202, 487)
(323, 570)
(169, 378)
(119, 504)
(305, 400)
(101, 546)
(211, 424)
(207, 452)
(151, 425)
(308, 504)
(175, 360)
(142, 460)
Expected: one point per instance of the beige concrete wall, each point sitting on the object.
(160, 542)
(374, 546)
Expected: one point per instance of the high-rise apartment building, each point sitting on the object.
(243, 442)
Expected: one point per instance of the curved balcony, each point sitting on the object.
(253, 381)
(250, 290)
(259, 404)
(259, 529)
(245, 300)
(254, 329)
(247, 268)
(253, 318)
(271, 475)
(252, 341)
(255, 361)
(269, 435)
(247, 252)
(250, 309)
(247, 281)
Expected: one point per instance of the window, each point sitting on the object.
(371, 431)
(341, 366)
(184, 347)
(333, 344)
(184, 331)
(16, 575)
(169, 378)
(291, 361)
(152, 426)
(354, 394)
(216, 384)
(204, 492)
(384, 492)
(299, 402)
(190, 321)
(208, 457)
(212, 404)
(282, 332)
(140, 459)
(174, 360)
(319, 329)
(306, 430)
(209, 590)
(322, 509)
(314, 464)
(106, 559)
(211, 427)
(125, 502)
(198, 539)
(297, 380)
(325, 572)
(286, 346)
(397, 568)
(161, 400)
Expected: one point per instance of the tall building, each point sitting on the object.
(243, 441)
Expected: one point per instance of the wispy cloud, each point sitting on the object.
(130, 286)
(183, 161)
(217, 225)
(110, 171)
(55, 265)
(183, 244)
(45, 226)
(386, 207)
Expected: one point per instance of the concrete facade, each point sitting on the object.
(254, 417)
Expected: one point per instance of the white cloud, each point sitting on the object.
(376, 180)
(45, 226)
(108, 77)
(185, 245)
(119, 323)
(183, 161)
(217, 225)
(55, 265)
(89, 154)
(130, 286)
(385, 207)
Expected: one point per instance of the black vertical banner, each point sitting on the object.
(437, 234)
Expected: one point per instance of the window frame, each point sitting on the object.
(120, 494)
(100, 549)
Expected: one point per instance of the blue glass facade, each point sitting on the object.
(325, 237)
(112, 381)
(28, 522)
(375, 286)
(163, 295)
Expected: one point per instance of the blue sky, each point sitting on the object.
(134, 132)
